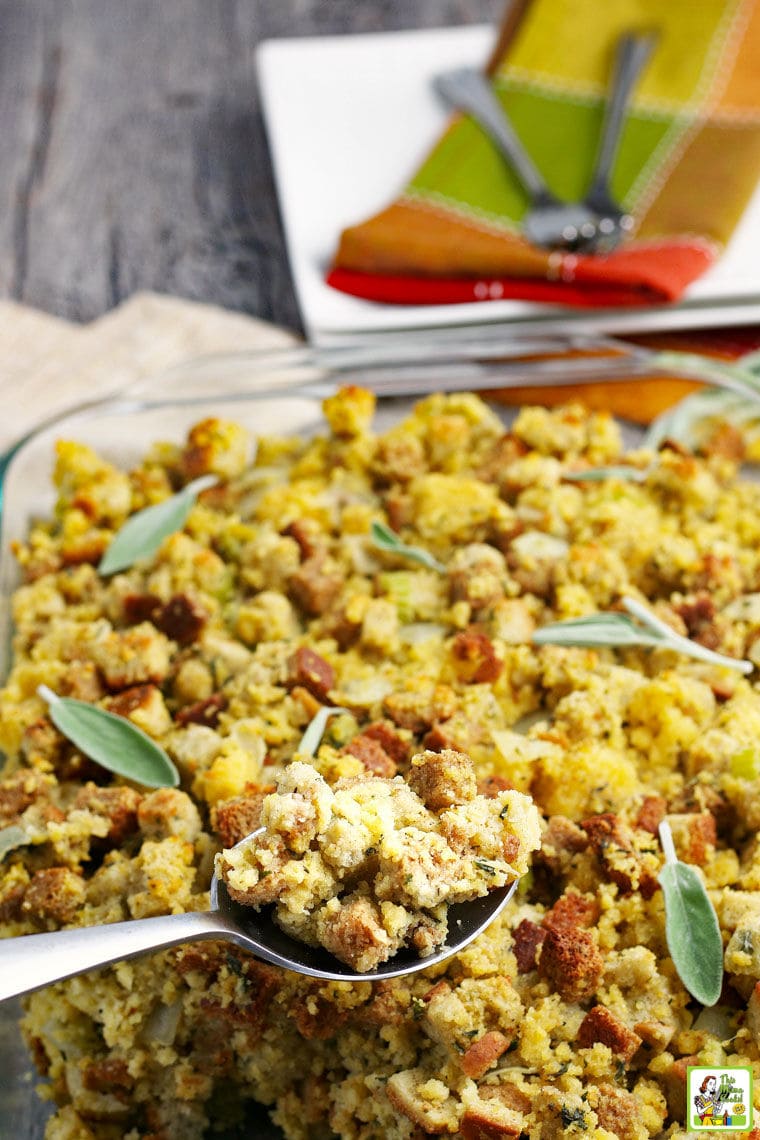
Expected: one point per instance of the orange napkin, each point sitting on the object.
(688, 162)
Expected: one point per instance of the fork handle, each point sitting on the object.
(468, 90)
(633, 51)
(32, 961)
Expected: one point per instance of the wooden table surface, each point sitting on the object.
(134, 152)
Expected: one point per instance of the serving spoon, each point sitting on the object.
(32, 961)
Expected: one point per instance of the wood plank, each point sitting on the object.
(135, 155)
(23, 59)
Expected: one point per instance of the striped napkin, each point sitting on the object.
(688, 162)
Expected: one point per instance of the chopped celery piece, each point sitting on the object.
(746, 764)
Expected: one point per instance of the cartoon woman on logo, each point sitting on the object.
(707, 1102)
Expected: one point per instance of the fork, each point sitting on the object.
(612, 221)
(549, 222)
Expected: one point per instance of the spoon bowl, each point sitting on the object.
(258, 932)
(32, 961)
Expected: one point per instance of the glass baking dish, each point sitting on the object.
(278, 391)
(282, 389)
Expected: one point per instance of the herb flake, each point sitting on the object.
(573, 1116)
(418, 1008)
(746, 941)
(234, 965)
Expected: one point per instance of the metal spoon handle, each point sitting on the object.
(36, 960)
(468, 90)
(633, 51)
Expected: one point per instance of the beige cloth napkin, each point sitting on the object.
(48, 365)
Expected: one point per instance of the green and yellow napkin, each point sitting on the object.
(688, 162)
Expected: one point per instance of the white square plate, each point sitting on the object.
(350, 117)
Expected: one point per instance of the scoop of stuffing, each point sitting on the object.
(371, 865)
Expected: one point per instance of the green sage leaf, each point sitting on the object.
(11, 838)
(315, 730)
(621, 631)
(680, 644)
(682, 422)
(735, 399)
(692, 930)
(595, 631)
(385, 539)
(615, 471)
(143, 533)
(111, 741)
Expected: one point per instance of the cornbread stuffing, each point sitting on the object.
(567, 1016)
(373, 864)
